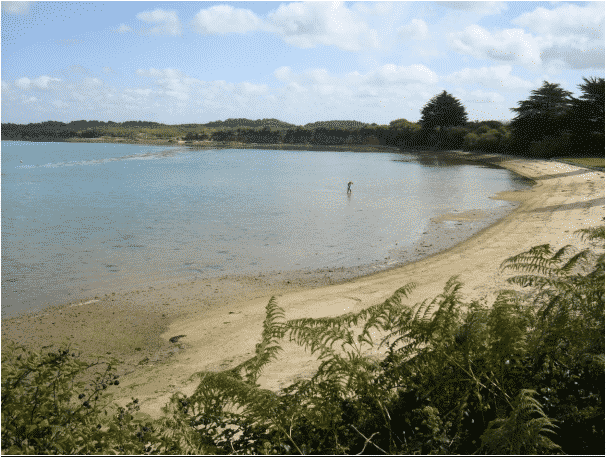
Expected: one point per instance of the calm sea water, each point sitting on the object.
(81, 219)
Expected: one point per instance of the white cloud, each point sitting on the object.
(123, 29)
(78, 96)
(168, 73)
(386, 79)
(30, 100)
(568, 37)
(16, 7)
(573, 36)
(374, 9)
(479, 96)
(283, 74)
(510, 45)
(42, 82)
(394, 74)
(59, 104)
(141, 92)
(368, 96)
(93, 82)
(223, 19)
(415, 30)
(23, 83)
(498, 77)
(252, 89)
(587, 20)
(176, 84)
(166, 22)
(485, 8)
(306, 25)
(295, 87)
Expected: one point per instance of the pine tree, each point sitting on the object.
(587, 118)
(542, 114)
(443, 110)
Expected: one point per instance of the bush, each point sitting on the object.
(53, 404)
(551, 147)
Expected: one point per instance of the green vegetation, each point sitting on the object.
(248, 123)
(443, 110)
(550, 123)
(593, 162)
(459, 377)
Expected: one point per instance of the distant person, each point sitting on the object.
(350, 183)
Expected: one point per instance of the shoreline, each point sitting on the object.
(238, 145)
(211, 313)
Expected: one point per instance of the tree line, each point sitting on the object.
(549, 123)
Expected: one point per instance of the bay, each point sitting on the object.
(80, 219)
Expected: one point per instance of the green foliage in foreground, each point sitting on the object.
(458, 378)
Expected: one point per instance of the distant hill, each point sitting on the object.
(241, 123)
(83, 125)
(351, 125)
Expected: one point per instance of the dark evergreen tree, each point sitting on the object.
(542, 115)
(587, 118)
(443, 110)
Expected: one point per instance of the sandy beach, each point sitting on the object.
(221, 319)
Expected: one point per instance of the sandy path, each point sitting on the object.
(565, 198)
(222, 318)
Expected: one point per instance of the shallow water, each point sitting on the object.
(82, 219)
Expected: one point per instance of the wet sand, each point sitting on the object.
(222, 318)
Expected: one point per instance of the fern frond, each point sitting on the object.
(536, 260)
(317, 335)
(542, 267)
(580, 257)
(562, 252)
(592, 233)
(402, 328)
(448, 304)
(424, 311)
(539, 282)
(320, 335)
(520, 433)
(268, 349)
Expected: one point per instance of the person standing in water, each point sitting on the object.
(350, 183)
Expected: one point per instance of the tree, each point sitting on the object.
(443, 110)
(542, 114)
(587, 118)
(592, 103)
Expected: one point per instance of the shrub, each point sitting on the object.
(551, 147)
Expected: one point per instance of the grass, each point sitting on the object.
(597, 162)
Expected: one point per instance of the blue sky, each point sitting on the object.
(300, 62)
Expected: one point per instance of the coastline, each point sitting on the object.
(239, 145)
(222, 318)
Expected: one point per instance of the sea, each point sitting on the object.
(80, 219)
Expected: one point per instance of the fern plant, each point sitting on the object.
(521, 432)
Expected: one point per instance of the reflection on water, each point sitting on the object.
(83, 219)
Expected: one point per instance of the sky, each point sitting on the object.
(299, 62)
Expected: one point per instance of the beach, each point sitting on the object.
(221, 319)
